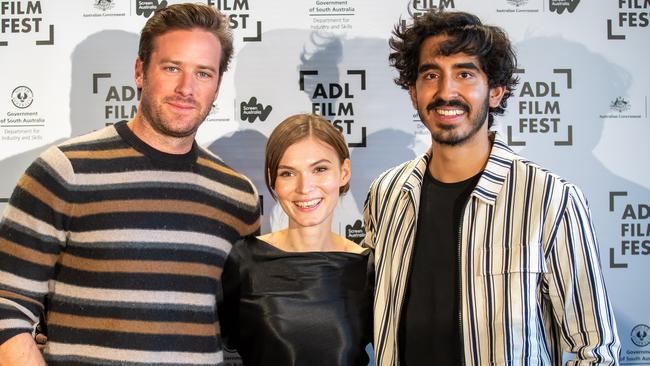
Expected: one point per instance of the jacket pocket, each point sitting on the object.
(511, 259)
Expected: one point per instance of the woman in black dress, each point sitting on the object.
(302, 295)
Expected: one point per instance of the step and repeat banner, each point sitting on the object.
(581, 109)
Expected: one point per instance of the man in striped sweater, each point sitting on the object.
(482, 257)
(118, 237)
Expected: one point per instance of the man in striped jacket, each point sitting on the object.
(118, 237)
(482, 257)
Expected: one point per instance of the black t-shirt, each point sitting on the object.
(429, 329)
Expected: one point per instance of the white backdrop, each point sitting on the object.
(581, 109)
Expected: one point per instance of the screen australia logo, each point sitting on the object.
(252, 110)
(147, 7)
(559, 6)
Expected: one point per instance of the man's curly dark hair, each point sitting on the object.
(465, 34)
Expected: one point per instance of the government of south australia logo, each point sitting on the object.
(253, 110)
(640, 335)
(620, 105)
(22, 97)
(104, 4)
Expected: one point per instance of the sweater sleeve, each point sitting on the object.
(577, 290)
(32, 233)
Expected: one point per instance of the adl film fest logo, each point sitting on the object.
(538, 105)
(335, 102)
(19, 17)
(120, 101)
(238, 12)
(634, 228)
(631, 14)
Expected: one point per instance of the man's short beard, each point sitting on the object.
(454, 139)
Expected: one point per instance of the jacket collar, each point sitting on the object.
(489, 185)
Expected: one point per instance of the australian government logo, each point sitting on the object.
(24, 18)
(241, 18)
(518, 6)
(631, 15)
(622, 107)
(106, 8)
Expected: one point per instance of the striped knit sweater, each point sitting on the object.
(122, 247)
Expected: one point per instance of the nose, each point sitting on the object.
(185, 84)
(305, 183)
(447, 88)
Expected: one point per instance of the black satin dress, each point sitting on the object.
(286, 308)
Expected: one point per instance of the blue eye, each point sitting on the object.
(204, 75)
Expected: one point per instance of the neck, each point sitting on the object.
(157, 140)
(451, 164)
(305, 239)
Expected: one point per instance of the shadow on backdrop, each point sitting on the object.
(108, 52)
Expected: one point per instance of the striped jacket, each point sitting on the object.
(122, 247)
(531, 285)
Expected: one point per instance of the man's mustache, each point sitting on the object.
(190, 101)
(447, 103)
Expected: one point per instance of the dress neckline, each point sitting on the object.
(364, 253)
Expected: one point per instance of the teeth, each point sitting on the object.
(308, 204)
(450, 112)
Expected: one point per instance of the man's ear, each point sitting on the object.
(496, 94)
(139, 73)
(414, 96)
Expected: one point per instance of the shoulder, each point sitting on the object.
(556, 190)
(395, 177)
(86, 141)
(219, 170)
(241, 250)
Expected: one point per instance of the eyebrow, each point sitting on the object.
(311, 165)
(179, 63)
(461, 65)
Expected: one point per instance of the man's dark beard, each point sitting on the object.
(454, 139)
